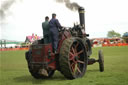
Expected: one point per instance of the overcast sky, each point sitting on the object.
(25, 17)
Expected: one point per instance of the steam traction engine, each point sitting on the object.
(72, 57)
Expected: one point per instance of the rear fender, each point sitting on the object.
(42, 54)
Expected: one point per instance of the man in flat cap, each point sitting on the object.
(54, 27)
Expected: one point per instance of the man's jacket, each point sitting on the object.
(45, 26)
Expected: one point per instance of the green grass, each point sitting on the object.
(13, 70)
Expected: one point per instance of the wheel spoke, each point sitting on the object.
(73, 50)
(71, 56)
(71, 53)
(76, 45)
(81, 62)
(78, 70)
(80, 52)
(72, 64)
(74, 61)
(73, 67)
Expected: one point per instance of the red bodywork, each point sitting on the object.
(43, 53)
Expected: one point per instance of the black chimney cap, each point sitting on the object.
(81, 8)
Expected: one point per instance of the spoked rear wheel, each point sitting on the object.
(101, 61)
(73, 58)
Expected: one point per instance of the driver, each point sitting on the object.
(54, 27)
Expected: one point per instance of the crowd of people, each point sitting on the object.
(108, 42)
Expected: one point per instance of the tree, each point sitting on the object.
(125, 34)
(125, 37)
(112, 34)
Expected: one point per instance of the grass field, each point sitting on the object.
(13, 70)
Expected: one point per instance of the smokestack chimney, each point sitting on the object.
(81, 16)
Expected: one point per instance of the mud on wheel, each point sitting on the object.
(35, 71)
(73, 58)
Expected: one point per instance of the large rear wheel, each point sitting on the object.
(73, 58)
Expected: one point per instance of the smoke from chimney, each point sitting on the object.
(4, 8)
(72, 6)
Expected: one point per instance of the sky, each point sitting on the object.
(25, 17)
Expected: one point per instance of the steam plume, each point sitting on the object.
(72, 6)
(4, 8)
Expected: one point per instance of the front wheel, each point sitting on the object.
(101, 61)
(73, 58)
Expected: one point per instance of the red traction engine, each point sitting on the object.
(72, 57)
